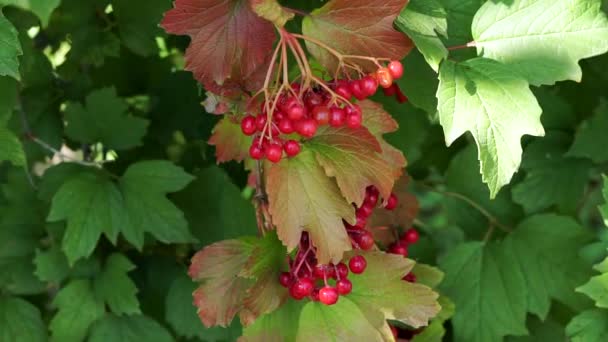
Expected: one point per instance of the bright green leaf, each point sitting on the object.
(10, 49)
(280, 325)
(104, 119)
(486, 98)
(20, 321)
(542, 40)
(591, 138)
(589, 326)
(597, 289)
(114, 286)
(423, 21)
(135, 328)
(77, 308)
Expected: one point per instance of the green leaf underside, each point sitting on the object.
(486, 98)
(423, 21)
(104, 120)
(495, 285)
(542, 40)
(93, 204)
(301, 197)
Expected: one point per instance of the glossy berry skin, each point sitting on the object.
(248, 125)
(328, 295)
(321, 115)
(399, 249)
(355, 88)
(384, 77)
(410, 236)
(337, 117)
(307, 128)
(344, 286)
(365, 241)
(410, 277)
(274, 152)
(313, 100)
(357, 264)
(256, 152)
(344, 91)
(286, 126)
(342, 270)
(285, 279)
(368, 85)
(392, 202)
(324, 271)
(354, 119)
(296, 112)
(371, 199)
(394, 331)
(365, 210)
(396, 69)
(390, 91)
(301, 288)
(292, 148)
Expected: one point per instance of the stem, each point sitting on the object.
(463, 46)
(297, 269)
(296, 11)
(489, 233)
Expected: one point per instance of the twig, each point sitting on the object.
(489, 233)
(463, 46)
(296, 11)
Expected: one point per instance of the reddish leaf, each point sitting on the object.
(357, 27)
(221, 295)
(229, 141)
(271, 11)
(353, 157)
(379, 122)
(230, 44)
(301, 197)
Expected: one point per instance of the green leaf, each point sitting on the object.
(129, 329)
(420, 84)
(20, 321)
(460, 15)
(423, 21)
(280, 325)
(138, 23)
(212, 200)
(551, 178)
(590, 137)
(541, 40)
(604, 207)
(92, 205)
(354, 27)
(547, 330)
(588, 326)
(104, 119)
(144, 187)
(181, 315)
(51, 265)
(480, 280)
(78, 308)
(353, 157)
(114, 286)
(597, 289)
(486, 98)
(10, 145)
(343, 321)
(301, 197)
(10, 49)
(41, 8)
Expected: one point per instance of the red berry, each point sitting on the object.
(371, 199)
(286, 126)
(277, 116)
(396, 69)
(344, 286)
(365, 210)
(369, 85)
(260, 121)
(312, 99)
(355, 88)
(384, 77)
(410, 236)
(394, 331)
(365, 241)
(361, 221)
(248, 125)
(337, 117)
(328, 295)
(357, 264)
(256, 151)
(321, 115)
(274, 152)
(307, 128)
(292, 148)
(302, 288)
(354, 119)
(285, 279)
(344, 91)
(390, 91)
(324, 271)
(398, 248)
(410, 277)
(392, 202)
(342, 270)
(314, 296)
(401, 98)
(287, 103)
(296, 112)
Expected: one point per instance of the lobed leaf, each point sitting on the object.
(114, 286)
(20, 321)
(10, 49)
(229, 141)
(133, 328)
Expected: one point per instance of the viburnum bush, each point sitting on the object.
(263, 170)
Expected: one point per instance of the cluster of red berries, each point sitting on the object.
(308, 278)
(400, 247)
(310, 109)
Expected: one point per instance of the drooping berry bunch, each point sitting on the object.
(327, 282)
(297, 112)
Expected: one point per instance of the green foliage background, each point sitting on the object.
(95, 246)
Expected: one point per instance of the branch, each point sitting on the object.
(463, 46)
